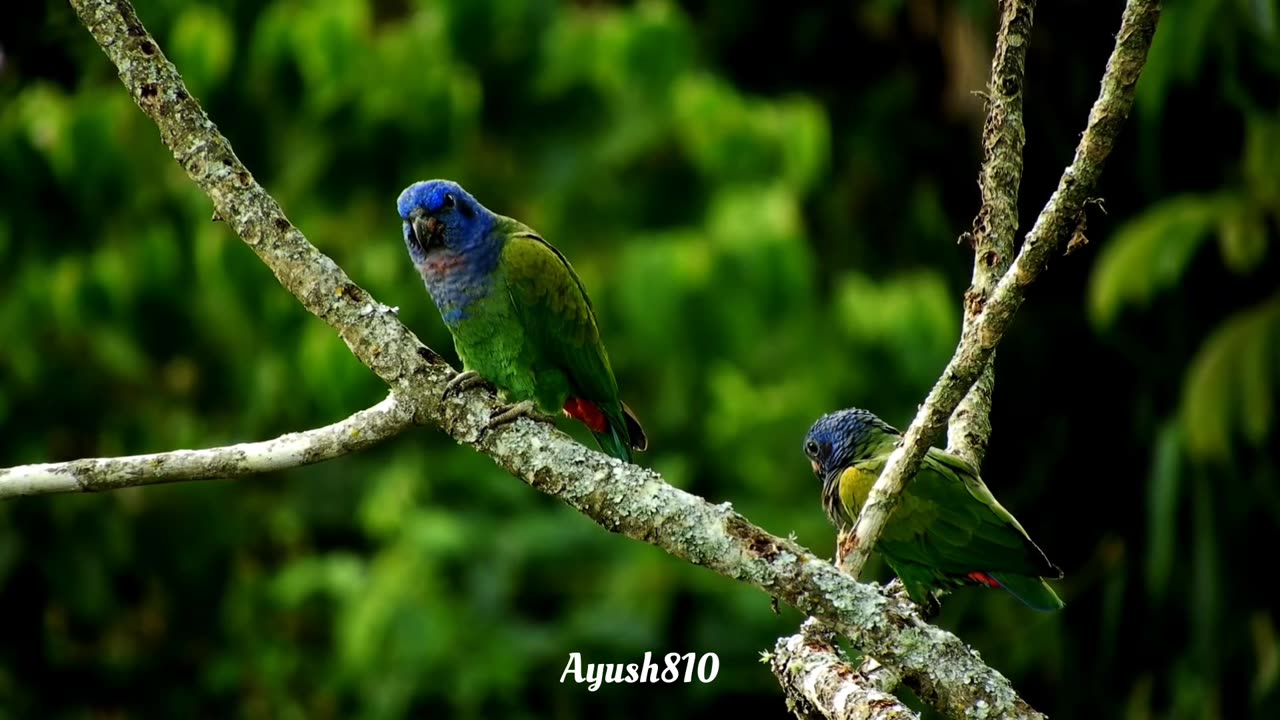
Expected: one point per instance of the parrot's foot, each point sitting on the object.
(525, 408)
(462, 381)
(927, 601)
(930, 609)
(894, 587)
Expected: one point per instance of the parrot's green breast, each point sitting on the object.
(855, 486)
(493, 343)
(506, 341)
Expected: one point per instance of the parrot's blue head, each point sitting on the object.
(440, 215)
(839, 439)
(451, 241)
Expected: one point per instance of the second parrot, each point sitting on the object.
(948, 530)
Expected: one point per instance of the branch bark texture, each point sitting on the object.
(623, 498)
(352, 434)
(819, 682)
(1054, 225)
(1003, 138)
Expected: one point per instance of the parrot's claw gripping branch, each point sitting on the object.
(463, 381)
(524, 408)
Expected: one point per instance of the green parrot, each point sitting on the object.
(948, 530)
(520, 317)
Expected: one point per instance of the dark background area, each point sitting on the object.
(764, 202)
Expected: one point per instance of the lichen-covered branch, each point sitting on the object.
(1055, 224)
(623, 498)
(352, 434)
(997, 220)
(819, 682)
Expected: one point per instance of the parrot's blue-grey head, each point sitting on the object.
(440, 215)
(839, 439)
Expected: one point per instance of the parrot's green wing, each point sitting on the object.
(1027, 586)
(559, 321)
(948, 529)
(950, 521)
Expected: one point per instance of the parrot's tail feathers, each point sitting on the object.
(614, 444)
(1034, 592)
(610, 431)
(639, 441)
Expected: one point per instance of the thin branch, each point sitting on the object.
(623, 498)
(819, 682)
(291, 450)
(993, 228)
(1055, 224)
(997, 220)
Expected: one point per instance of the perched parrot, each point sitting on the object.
(948, 530)
(520, 317)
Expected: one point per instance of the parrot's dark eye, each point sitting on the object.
(811, 448)
(449, 201)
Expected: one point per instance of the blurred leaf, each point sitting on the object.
(1232, 381)
(1206, 599)
(1262, 160)
(1163, 494)
(743, 140)
(202, 44)
(46, 116)
(912, 315)
(1267, 651)
(1177, 51)
(1150, 253)
(324, 39)
(1242, 237)
(1138, 706)
(338, 575)
(1264, 14)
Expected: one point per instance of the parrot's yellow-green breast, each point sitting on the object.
(855, 485)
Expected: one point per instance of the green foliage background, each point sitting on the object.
(765, 206)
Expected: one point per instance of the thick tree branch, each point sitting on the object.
(622, 498)
(1055, 224)
(997, 220)
(819, 682)
(355, 433)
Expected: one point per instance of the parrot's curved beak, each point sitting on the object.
(428, 231)
(817, 469)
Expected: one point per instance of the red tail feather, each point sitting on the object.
(587, 413)
(983, 579)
